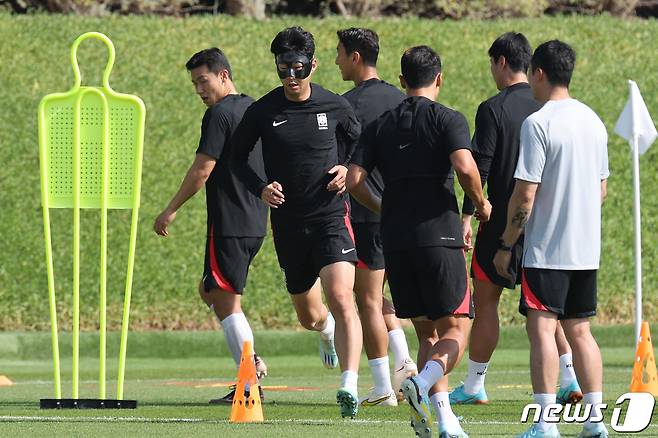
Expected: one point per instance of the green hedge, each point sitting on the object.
(151, 53)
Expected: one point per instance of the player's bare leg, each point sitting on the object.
(314, 315)
(338, 283)
(569, 391)
(441, 358)
(368, 290)
(544, 366)
(588, 364)
(482, 343)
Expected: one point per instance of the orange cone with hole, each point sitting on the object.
(645, 378)
(247, 408)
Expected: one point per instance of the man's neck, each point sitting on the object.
(429, 92)
(556, 93)
(364, 74)
(513, 79)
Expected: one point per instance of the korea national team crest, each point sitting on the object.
(322, 121)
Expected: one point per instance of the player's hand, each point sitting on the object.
(338, 183)
(501, 261)
(467, 232)
(272, 195)
(484, 213)
(163, 221)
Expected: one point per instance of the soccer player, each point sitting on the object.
(308, 135)
(496, 151)
(236, 219)
(356, 57)
(416, 146)
(560, 186)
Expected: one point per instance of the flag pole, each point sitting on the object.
(638, 237)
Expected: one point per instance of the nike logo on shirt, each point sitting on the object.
(402, 146)
(279, 123)
(345, 251)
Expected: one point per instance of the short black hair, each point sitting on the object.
(420, 65)
(515, 48)
(212, 58)
(364, 41)
(557, 59)
(293, 39)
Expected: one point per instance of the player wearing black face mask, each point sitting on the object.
(308, 135)
(293, 65)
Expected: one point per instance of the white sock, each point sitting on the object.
(397, 343)
(567, 374)
(432, 372)
(592, 398)
(236, 331)
(447, 418)
(349, 380)
(544, 400)
(474, 382)
(381, 375)
(328, 331)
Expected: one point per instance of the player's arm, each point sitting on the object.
(195, 178)
(356, 185)
(518, 211)
(469, 178)
(484, 146)
(604, 190)
(363, 162)
(347, 137)
(528, 175)
(244, 140)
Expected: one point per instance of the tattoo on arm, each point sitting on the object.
(520, 218)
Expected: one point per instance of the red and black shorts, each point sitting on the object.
(227, 261)
(305, 248)
(568, 294)
(486, 246)
(429, 282)
(368, 238)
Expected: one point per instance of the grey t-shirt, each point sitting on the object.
(564, 149)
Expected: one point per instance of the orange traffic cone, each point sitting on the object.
(5, 381)
(247, 409)
(645, 378)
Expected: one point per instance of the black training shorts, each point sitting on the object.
(303, 249)
(430, 282)
(568, 294)
(227, 261)
(486, 246)
(369, 248)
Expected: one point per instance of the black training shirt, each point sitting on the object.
(411, 146)
(496, 145)
(301, 142)
(370, 99)
(232, 209)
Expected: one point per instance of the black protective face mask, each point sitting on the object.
(289, 59)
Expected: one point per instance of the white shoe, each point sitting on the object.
(328, 354)
(373, 399)
(261, 368)
(406, 370)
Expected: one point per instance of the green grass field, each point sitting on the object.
(151, 53)
(172, 375)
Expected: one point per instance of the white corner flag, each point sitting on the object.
(636, 126)
(636, 120)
